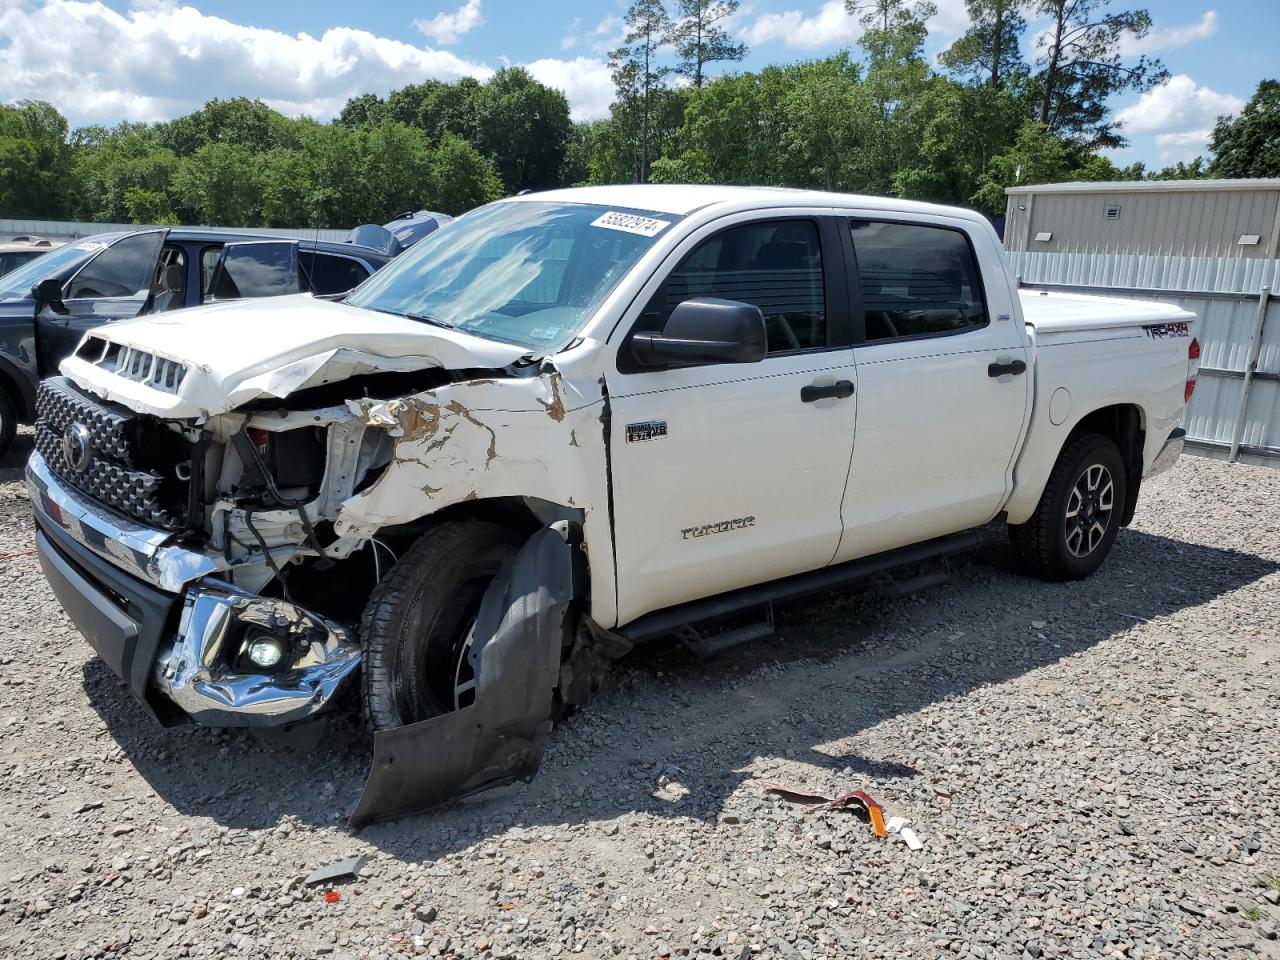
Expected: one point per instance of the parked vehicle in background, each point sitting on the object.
(568, 422)
(24, 249)
(47, 304)
(409, 228)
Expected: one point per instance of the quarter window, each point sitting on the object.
(916, 280)
(775, 265)
(333, 274)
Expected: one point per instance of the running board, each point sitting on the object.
(662, 623)
(707, 645)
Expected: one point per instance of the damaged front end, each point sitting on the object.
(220, 563)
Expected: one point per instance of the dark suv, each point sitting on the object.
(47, 305)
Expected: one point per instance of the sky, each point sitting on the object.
(103, 61)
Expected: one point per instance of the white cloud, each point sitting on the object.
(160, 60)
(570, 39)
(448, 28)
(608, 34)
(1179, 113)
(831, 26)
(585, 81)
(1170, 38)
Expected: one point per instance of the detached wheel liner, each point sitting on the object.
(1079, 514)
(418, 623)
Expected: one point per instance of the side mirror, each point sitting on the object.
(48, 292)
(705, 330)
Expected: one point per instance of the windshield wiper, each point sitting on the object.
(420, 317)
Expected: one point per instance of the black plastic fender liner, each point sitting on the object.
(520, 631)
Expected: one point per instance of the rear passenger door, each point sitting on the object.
(943, 384)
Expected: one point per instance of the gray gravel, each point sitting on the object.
(1092, 769)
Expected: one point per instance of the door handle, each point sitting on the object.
(1001, 368)
(840, 389)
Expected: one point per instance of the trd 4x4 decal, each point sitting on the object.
(1156, 331)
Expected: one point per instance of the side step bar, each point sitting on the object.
(664, 622)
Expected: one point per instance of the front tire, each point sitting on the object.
(418, 625)
(1078, 517)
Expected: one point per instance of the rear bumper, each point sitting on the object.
(1168, 454)
(179, 651)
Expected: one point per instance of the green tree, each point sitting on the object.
(366, 109)
(1248, 145)
(700, 38)
(460, 177)
(35, 161)
(1197, 169)
(638, 76)
(1081, 67)
(1036, 156)
(219, 185)
(989, 50)
(123, 174)
(523, 127)
(239, 121)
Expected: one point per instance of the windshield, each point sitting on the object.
(527, 272)
(18, 283)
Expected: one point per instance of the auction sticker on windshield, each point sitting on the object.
(630, 223)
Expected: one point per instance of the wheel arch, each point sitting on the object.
(19, 389)
(1125, 424)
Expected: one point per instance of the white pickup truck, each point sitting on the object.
(566, 422)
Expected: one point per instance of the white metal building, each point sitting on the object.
(1211, 246)
(1173, 218)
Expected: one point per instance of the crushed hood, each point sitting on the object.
(236, 352)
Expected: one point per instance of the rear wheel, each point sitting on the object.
(419, 625)
(8, 422)
(1078, 516)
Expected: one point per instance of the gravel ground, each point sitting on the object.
(1092, 769)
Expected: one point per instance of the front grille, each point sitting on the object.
(132, 460)
(133, 363)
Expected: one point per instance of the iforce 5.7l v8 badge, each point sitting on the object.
(648, 430)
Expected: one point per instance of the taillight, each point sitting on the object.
(1193, 355)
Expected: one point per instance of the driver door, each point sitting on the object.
(731, 474)
(114, 285)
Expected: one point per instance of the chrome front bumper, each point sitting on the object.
(194, 663)
(197, 672)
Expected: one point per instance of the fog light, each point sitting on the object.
(265, 652)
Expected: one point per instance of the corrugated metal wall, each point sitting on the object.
(1184, 223)
(73, 230)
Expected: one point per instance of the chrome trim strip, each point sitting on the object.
(140, 551)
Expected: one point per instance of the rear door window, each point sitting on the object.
(916, 280)
(256, 269)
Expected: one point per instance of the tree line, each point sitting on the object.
(879, 118)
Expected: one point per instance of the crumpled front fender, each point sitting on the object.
(521, 629)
